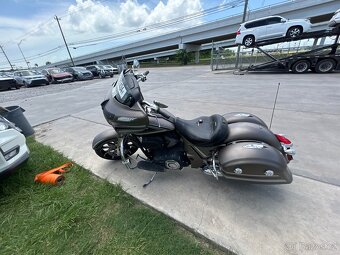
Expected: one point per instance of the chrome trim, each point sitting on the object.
(288, 149)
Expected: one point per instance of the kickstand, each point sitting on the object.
(146, 184)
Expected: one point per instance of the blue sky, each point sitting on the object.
(32, 23)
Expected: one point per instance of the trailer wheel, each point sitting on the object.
(294, 32)
(325, 66)
(301, 66)
(249, 40)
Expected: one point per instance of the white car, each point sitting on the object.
(335, 20)
(270, 27)
(13, 148)
(113, 69)
(29, 79)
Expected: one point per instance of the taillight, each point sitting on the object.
(283, 139)
(238, 32)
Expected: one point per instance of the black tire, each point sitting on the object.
(294, 32)
(47, 83)
(248, 40)
(111, 75)
(109, 149)
(325, 66)
(301, 66)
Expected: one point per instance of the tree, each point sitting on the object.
(183, 57)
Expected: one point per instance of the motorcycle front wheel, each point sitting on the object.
(109, 149)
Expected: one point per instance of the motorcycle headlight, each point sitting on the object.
(3, 126)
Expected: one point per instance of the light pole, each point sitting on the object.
(62, 34)
(239, 47)
(23, 53)
(9, 62)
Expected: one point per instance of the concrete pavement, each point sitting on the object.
(249, 219)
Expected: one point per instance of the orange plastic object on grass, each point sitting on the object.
(53, 176)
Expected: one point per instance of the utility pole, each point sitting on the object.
(239, 46)
(23, 54)
(6, 56)
(62, 34)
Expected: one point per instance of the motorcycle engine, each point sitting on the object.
(167, 151)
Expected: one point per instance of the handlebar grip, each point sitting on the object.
(164, 113)
(146, 73)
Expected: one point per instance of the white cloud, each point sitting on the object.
(91, 16)
(173, 9)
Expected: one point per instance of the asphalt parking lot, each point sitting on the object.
(244, 218)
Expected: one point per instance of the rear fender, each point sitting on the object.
(245, 131)
(234, 117)
(103, 136)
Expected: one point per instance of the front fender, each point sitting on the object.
(103, 136)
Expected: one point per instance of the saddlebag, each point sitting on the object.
(255, 162)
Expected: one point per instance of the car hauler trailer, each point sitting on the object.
(323, 59)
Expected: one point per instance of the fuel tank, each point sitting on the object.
(254, 162)
(234, 117)
(246, 131)
(124, 117)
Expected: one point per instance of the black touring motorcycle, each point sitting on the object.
(236, 146)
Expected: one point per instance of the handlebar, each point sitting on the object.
(159, 110)
(142, 76)
(164, 113)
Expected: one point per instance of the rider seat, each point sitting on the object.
(204, 131)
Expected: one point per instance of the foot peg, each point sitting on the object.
(150, 166)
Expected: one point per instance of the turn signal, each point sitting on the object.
(238, 32)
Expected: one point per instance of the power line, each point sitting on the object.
(165, 24)
(150, 27)
(146, 29)
(50, 21)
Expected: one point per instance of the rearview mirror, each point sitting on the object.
(283, 20)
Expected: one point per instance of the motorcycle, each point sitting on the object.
(236, 146)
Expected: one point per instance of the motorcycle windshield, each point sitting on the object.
(119, 89)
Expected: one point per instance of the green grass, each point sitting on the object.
(85, 215)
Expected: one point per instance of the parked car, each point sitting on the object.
(99, 71)
(335, 20)
(29, 79)
(13, 148)
(270, 27)
(113, 69)
(79, 73)
(108, 70)
(56, 75)
(7, 82)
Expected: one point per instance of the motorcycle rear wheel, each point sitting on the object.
(109, 149)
